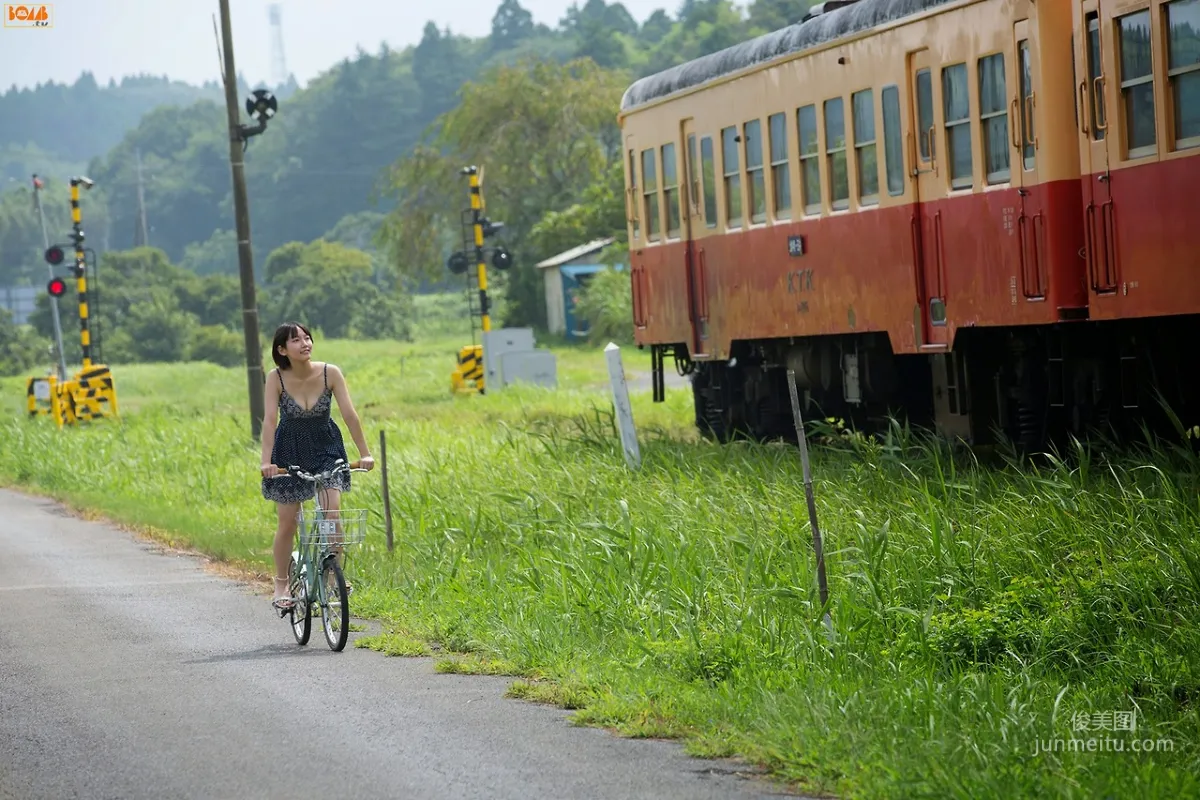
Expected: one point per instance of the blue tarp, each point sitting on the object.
(586, 269)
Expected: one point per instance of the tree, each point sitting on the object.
(185, 175)
(510, 25)
(771, 15)
(216, 255)
(542, 132)
(358, 231)
(441, 63)
(144, 308)
(20, 347)
(333, 288)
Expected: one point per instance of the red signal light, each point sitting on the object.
(54, 255)
(56, 287)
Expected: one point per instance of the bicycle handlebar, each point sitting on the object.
(296, 472)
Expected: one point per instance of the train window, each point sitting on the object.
(866, 162)
(633, 194)
(1183, 69)
(893, 146)
(1137, 83)
(756, 182)
(650, 195)
(1028, 131)
(733, 178)
(958, 125)
(709, 177)
(671, 189)
(993, 115)
(1095, 68)
(835, 151)
(780, 176)
(810, 167)
(925, 113)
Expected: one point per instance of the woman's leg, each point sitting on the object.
(331, 500)
(285, 535)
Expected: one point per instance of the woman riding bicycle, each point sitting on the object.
(299, 431)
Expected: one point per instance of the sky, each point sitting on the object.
(114, 38)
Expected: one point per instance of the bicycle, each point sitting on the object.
(321, 536)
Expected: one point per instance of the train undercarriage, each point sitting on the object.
(1027, 386)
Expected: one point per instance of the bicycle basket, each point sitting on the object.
(348, 526)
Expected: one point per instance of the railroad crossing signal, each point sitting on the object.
(91, 393)
(468, 375)
(262, 106)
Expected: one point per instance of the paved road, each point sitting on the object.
(128, 672)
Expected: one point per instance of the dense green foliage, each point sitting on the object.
(20, 347)
(149, 309)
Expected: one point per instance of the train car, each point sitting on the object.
(895, 200)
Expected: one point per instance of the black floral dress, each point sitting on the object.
(308, 439)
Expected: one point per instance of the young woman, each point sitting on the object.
(299, 430)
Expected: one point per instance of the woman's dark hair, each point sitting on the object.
(283, 334)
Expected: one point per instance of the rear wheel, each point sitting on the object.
(335, 605)
(301, 610)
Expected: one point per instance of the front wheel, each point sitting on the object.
(301, 612)
(335, 605)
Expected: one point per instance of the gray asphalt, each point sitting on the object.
(127, 671)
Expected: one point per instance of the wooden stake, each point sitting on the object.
(387, 502)
(822, 586)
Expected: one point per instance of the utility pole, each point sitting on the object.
(58, 340)
(254, 370)
(142, 239)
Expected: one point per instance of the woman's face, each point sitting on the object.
(298, 347)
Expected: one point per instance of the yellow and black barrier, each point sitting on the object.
(94, 393)
(468, 375)
(42, 397)
(89, 394)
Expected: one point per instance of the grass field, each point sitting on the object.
(982, 614)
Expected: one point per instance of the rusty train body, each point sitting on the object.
(983, 215)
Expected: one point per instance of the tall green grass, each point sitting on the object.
(980, 611)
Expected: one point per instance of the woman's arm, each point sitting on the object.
(270, 421)
(337, 382)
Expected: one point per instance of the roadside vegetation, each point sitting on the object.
(981, 612)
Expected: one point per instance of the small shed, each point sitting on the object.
(563, 276)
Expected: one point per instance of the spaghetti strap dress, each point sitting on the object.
(306, 438)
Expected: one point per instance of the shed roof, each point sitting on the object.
(575, 252)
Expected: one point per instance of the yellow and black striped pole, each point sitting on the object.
(477, 219)
(85, 337)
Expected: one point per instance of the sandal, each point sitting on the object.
(283, 602)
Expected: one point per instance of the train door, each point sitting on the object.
(694, 254)
(637, 268)
(1031, 228)
(926, 219)
(1097, 197)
